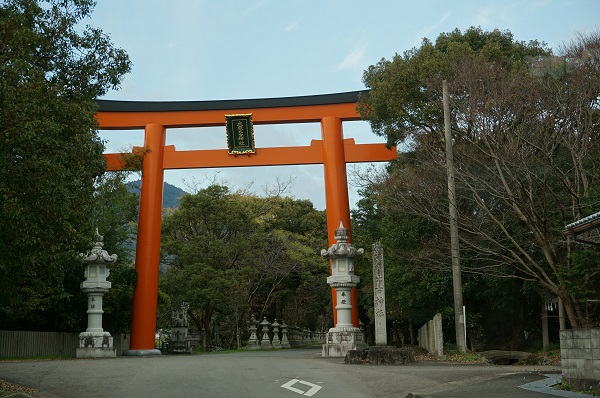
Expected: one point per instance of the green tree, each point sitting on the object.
(50, 154)
(305, 301)
(208, 237)
(230, 255)
(498, 310)
(115, 215)
(414, 293)
(525, 127)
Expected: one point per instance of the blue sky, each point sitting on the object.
(184, 50)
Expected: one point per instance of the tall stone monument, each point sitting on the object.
(380, 353)
(95, 342)
(344, 336)
(379, 296)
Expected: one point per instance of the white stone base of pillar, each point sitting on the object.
(95, 345)
(341, 340)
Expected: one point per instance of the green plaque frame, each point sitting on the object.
(240, 134)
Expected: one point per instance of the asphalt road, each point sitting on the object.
(265, 374)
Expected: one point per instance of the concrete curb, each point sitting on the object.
(546, 386)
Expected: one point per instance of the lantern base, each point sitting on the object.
(95, 345)
(342, 340)
(93, 352)
(141, 353)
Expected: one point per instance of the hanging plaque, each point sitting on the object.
(240, 134)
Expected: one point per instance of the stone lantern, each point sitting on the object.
(95, 342)
(344, 336)
(253, 341)
(179, 331)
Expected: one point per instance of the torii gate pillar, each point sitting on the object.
(336, 193)
(145, 295)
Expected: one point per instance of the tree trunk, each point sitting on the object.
(410, 331)
(517, 328)
(207, 335)
(571, 311)
(203, 325)
(195, 319)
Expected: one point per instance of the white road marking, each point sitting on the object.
(313, 387)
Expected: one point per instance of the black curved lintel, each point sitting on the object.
(174, 106)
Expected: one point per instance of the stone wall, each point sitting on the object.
(580, 357)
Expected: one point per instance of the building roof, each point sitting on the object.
(584, 225)
(171, 106)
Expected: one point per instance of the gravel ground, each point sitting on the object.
(8, 389)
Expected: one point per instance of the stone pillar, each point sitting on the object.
(344, 336)
(379, 296)
(438, 336)
(545, 334)
(253, 342)
(95, 342)
(562, 320)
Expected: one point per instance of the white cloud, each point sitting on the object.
(485, 16)
(293, 26)
(354, 60)
(256, 5)
(425, 32)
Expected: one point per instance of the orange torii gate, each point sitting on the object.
(333, 151)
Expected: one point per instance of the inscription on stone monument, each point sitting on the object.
(379, 295)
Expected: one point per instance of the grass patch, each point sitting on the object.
(452, 354)
(466, 357)
(198, 351)
(37, 358)
(565, 387)
(548, 358)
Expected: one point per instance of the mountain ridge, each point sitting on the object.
(171, 193)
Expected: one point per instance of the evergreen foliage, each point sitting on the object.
(231, 255)
(50, 155)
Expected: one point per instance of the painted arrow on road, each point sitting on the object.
(313, 387)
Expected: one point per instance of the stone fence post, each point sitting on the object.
(431, 336)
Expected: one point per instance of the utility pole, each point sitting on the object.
(459, 319)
